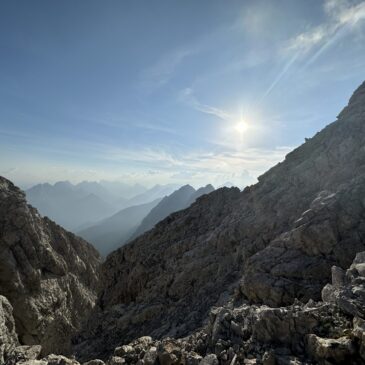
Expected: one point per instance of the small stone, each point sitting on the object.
(116, 360)
(94, 362)
(169, 353)
(192, 358)
(123, 350)
(150, 356)
(27, 352)
(268, 358)
(60, 360)
(210, 359)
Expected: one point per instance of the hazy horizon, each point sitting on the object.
(174, 92)
(147, 185)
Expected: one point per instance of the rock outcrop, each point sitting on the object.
(8, 336)
(49, 276)
(276, 240)
(297, 263)
(327, 332)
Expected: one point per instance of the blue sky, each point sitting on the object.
(168, 91)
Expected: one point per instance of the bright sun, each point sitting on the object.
(241, 127)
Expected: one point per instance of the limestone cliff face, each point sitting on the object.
(282, 234)
(48, 275)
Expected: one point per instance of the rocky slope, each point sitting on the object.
(178, 200)
(328, 332)
(48, 275)
(8, 336)
(276, 241)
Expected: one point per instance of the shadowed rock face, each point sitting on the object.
(278, 238)
(48, 275)
(328, 332)
(178, 200)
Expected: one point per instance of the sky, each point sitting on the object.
(170, 91)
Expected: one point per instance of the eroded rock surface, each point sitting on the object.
(48, 275)
(8, 336)
(325, 332)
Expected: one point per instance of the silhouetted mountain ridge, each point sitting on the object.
(178, 200)
(77, 206)
(112, 232)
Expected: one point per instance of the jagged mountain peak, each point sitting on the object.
(7, 188)
(207, 188)
(178, 200)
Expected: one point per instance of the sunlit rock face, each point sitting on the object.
(8, 336)
(271, 243)
(48, 275)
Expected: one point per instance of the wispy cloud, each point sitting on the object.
(278, 78)
(151, 165)
(164, 69)
(202, 163)
(187, 96)
(340, 15)
(160, 73)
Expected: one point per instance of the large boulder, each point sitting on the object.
(330, 350)
(348, 293)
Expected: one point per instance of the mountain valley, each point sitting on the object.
(273, 274)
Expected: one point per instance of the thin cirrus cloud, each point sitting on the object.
(253, 160)
(160, 73)
(188, 97)
(341, 17)
(299, 52)
(153, 165)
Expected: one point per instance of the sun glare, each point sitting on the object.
(241, 127)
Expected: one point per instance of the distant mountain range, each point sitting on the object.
(110, 233)
(178, 200)
(77, 206)
(114, 231)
